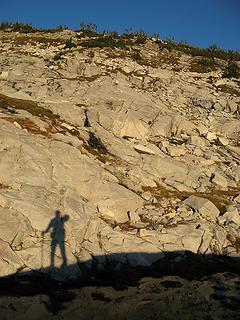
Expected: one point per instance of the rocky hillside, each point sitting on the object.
(136, 143)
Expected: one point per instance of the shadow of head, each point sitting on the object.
(65, 218)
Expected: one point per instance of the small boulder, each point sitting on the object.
(237, 198)
(133, 216)
(4, 74)
(110, 211)
(204, 206)
(176, 151)
(203, 103)
(232, 215)
(219, 179)
(142, 149)
(211, 136)
(196, 141)
(232, 106)
(223, 141)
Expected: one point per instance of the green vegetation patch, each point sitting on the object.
(33, 39)
(105, 42)
(27, 27)
(70, 44)
(203, 65)
(9, 103)
(129, 38)
(88, 30)
(232, 70)
(212, 52)
(228, 89)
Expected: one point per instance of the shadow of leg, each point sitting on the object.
(63, 253)
(53, 250)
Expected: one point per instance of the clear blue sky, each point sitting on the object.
(199, 22)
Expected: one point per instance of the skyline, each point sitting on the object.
(198, 23)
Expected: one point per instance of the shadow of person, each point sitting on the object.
(56, 227)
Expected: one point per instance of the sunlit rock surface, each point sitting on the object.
(141, 156)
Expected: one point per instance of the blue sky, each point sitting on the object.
(199, 22)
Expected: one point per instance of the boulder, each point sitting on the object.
(232, 105)
(232, 215)
(133, 216)
(204, 206)
(203, 103)
(230, 128)
(176, 151)
(171, 168)
(203, 130)
(168, 125)
(131, 127)
(237, 199)
(189, 236)
(109, 210)
(219, 179)
(197, 141)
(4, 75)
(142, 149)
(223, 141)
(211, 136)
(177, 185)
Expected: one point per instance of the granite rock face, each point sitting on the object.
(137, 158)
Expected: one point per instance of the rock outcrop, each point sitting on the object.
(142, 157)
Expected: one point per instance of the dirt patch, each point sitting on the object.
(218, 197)
(30, 126)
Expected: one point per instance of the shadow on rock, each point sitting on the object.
(174, 270)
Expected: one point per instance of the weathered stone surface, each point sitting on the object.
(123, 246)
(133, 216)
(219, 179)
(143, 149)
(232, 215)
(232, 105)
(176, 151)
(237, 198)
(168, 168)
(189, 236)
(115, 146)
(14, 227)
(205, 207)
(230, 128)
(109, 210)
(9, 261)
(130, 127)
(211, 136)
(168, 125)
(196, 141)
(178, 185)
(223, 141)
(203, 103)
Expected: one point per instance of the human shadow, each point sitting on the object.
(119, 271)
(56, 227)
